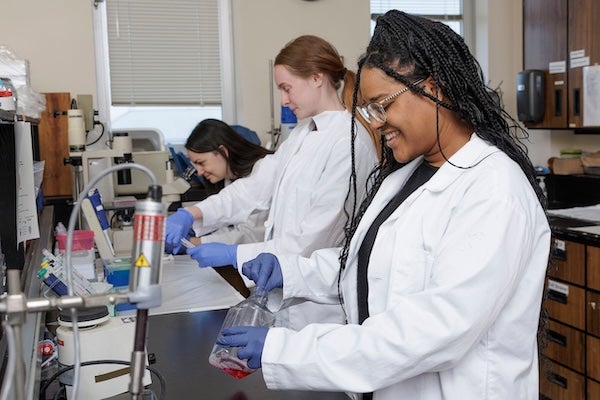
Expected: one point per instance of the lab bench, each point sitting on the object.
(570, 367)
(179, 342)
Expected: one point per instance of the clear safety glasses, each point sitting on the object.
(376, 110)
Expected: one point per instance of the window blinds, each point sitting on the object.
(164, 52)
(418, 7)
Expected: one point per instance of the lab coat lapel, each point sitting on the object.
(295, 143)
(470, 154)
(388, 189)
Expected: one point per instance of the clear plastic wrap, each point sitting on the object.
(29, 102)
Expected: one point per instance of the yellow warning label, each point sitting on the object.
(142, 261)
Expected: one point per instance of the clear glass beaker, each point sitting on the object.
(250, 312)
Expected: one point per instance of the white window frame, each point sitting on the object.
(228, 104)
(467, 21)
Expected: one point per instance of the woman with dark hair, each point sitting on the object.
(303, 184)
(220, 154)
(442, 272)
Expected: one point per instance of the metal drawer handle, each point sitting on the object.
(557, 337)
(557, 296)
(557, 379)
(593, 305)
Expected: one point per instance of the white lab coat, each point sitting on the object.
(304, 185)
(250, 231)
(455, 277)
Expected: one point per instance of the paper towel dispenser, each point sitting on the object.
(530, 95)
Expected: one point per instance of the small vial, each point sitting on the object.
(186, 243)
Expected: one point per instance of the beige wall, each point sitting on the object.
(263, 27)
(57, 38)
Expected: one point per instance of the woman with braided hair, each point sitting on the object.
(442, 273)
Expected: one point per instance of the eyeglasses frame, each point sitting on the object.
(366, 112)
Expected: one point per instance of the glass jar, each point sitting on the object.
(252, 311)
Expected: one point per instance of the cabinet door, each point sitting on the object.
(568, 262)
(560, 383)
(584, 49)
(545, 44)
(593, 267)
(565, 345)
(593, 357)
(566, 303)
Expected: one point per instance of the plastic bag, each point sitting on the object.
(29, 102)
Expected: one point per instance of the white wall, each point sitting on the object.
(263, 27)
(57, 38)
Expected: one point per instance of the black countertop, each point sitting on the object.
(182, 343)
(561, 229)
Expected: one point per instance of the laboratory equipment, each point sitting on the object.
(102, 337)
(252, 311)
(148, 242)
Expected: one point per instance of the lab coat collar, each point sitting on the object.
(324, 119)
(471, 153)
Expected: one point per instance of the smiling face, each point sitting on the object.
(410, 127)
(213, 166)
(299, 94)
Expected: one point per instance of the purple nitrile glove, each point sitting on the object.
(250, 341)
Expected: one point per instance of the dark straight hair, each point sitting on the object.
(210, 134)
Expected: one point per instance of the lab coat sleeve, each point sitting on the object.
(324, 217)
(313, 278)
(253, 230)
(487, 246)
(238, 200)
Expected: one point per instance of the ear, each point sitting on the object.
(317, 79)
(224, 150)
(432, 87)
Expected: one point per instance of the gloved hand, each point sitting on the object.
(250, 341)
(214, 254)
(265, 271)
(178, 226)
(170, 249)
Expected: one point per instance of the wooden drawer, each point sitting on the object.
(593, 267)
(593, 358)
(593, 389)
(560, 383)
(592, 312)
(569, 262)
(566, 303)
(565, 345)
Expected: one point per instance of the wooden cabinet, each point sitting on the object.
(570, 367)
(560, 38)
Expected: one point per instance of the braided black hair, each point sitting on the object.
(408, 48)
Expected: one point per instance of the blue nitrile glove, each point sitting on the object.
(265, 271)
(214, 254)
(178, 226)
(250, 341)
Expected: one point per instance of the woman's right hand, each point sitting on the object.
(265, 271)
(178, 226)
